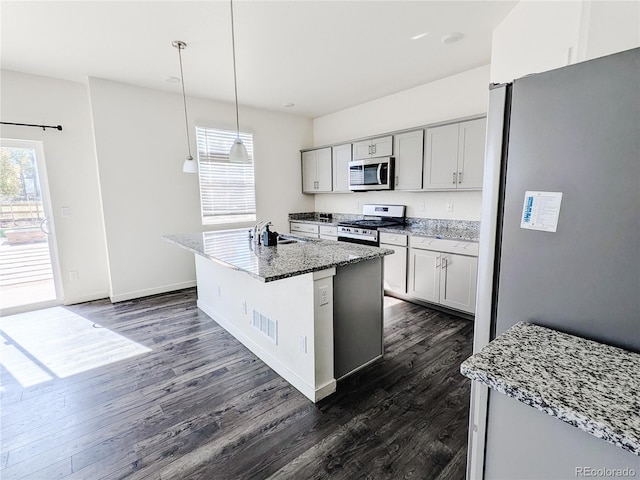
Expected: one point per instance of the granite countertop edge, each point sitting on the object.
(294, 272)
(618, 436)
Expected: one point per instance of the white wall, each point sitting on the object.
(457, 96)
(466, 205)
(141, 144)
(71, 169)
(613, 26)
(539, 36)
(452, 97)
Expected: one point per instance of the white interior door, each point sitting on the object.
(29, 271)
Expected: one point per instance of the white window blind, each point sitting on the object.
(227, 190)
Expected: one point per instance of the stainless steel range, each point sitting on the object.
(365, 231)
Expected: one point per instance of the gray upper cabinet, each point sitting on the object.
(373, 147)
(316, 170)
(471, 153)
(409, 152)
(341, 158)
(454, 156)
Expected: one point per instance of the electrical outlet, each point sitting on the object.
(421, 207)
(302, 343)
(66, 212)
(73, 275)
(449, 207)
(324, 295)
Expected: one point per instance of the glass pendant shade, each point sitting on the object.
(189, 165)
(238, 152)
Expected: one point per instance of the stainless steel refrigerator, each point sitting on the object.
(559, 247)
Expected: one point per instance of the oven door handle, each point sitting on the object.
(366, 238)
(380, 174)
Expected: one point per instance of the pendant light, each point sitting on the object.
(238, 152)
(189, 165)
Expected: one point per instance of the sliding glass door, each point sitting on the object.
(29, 273)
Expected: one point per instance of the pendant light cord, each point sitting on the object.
(235, 81)
(184, 101)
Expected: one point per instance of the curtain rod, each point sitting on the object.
(57, 127)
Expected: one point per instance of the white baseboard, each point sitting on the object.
(86, 298)
(313, 394)
(121, 297)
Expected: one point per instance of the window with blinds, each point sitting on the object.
(227, 190)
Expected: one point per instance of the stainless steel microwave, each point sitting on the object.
(374, 174)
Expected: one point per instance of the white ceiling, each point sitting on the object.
(322, 55)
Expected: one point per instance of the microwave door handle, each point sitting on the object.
(380, 174)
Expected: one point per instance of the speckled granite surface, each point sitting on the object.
(586, 384)
(233, 249)
(438, 228)
(422, 227)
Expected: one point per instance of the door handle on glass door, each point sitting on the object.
(45, 223)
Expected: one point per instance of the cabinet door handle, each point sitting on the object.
(454, 178)
(397, 181)
(369, 150)
(444, 262)
(373, 148)
(459, 177)
(438, 262)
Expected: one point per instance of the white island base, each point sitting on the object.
(311, 329)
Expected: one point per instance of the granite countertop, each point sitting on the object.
(589, 385)
(234, 249)
(467, 230)
(425, 230)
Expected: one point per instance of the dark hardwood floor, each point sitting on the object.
(201, 406)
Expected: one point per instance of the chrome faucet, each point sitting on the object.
(257, 231)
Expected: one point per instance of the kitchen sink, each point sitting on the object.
(286, 240)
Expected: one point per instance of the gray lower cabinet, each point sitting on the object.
(329, 232)
(304, 229)
(395, 266)
(438, 275)
(424, 275)
(458, 281)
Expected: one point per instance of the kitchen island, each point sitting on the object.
(310, 309)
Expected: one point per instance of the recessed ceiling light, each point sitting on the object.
(288, 105)
(419, 36)
(450, 38)
(172, 80)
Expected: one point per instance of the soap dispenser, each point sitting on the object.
(269, 239)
